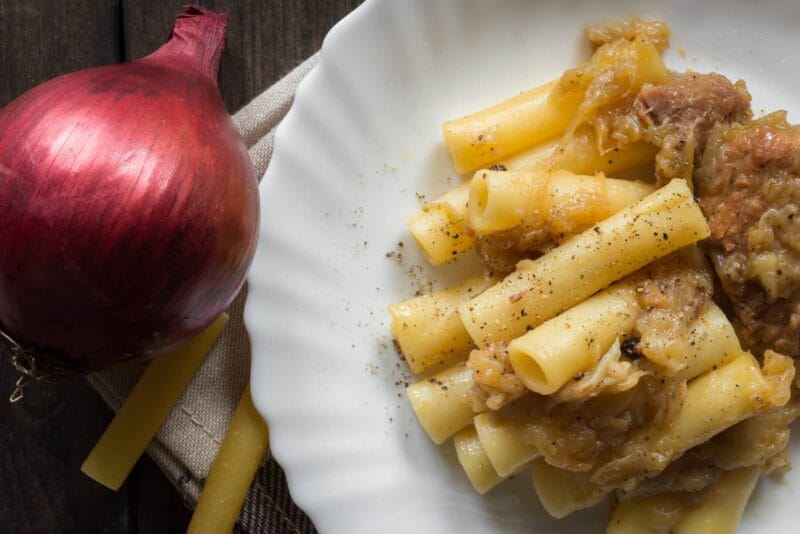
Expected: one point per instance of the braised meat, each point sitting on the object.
(748, 186)
(678, 116)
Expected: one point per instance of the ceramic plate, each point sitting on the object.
(357, 152)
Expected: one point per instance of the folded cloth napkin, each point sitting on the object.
(185, 447)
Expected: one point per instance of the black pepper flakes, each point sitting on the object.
(630, 348)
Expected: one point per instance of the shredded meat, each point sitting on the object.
(674, 293)
(501, 251)
(749, 190)
(679, 115)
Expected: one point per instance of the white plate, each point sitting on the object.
(361, 141)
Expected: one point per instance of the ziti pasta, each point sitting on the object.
(595, 352)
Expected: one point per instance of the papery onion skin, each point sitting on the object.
(128, 205)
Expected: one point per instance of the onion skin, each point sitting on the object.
(128, 205)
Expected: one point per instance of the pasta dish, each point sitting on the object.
(634, 334)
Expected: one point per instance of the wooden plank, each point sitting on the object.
(43, 39)
(44, 439)
(159, 508)
(146, 25)
(265, 39)
(268, 39)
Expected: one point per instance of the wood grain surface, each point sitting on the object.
(45, 438)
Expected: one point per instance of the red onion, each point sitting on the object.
(128, 207)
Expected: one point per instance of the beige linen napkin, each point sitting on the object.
(187, 444)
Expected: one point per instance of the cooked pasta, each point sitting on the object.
(653, 513)
(580, 154)
(660, 223)
(473, 459)
(562, 491)
(439, 228)
(558, 202)
(545, 112)
(504, 443)
(442, 402)
(714, 401)
(715, 510)
(595, 351)
(486, 136)
(721, 510)
(551, 354)
(428, 329)
(507, 203)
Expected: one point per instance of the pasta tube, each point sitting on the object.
(499, 200)
(538, 158)
(721, 510)
(549, 110)
(473, 459)
(714, 401)
(147, 407)
(504, 443)
(508, 127)
(561, 202)
(576, 202)
(713, 342)
(561, 491)
(551, 354)
(579, 154)
(241, 452)
(439, 228)
(660, 223)
(717, 400)
(428, 328)
(442, 402)
(653, 514)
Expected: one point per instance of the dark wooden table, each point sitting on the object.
(45, 438)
